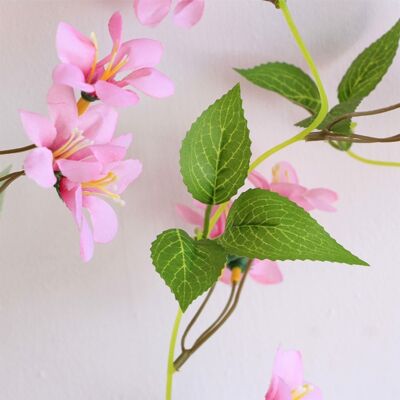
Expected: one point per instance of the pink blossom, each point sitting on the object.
(287, 381)
(262, 271)
(109, 184)
(82, 159)
(135, 60)
(186, 12)
(286, 183)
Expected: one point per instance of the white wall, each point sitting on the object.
(70, 331)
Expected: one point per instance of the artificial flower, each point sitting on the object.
(287, 381)
(81, 158)
(186, 12)
(286, 183)
(262, 271)
(135, 60)
(73, 146)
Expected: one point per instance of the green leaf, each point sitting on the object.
(368, 69)
(3, 173)
(343, 127)
(265, 225)
(189, 267)
(288, 81)
(215, 154)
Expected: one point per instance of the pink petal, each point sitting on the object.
(188, 12)
(115, 28)
(258, 180)
(126, 171)
(283, 172)
(38, 165)
(74, 48)
(86, 241)
(278, 390)
(289, 190)
(38, 128)
(322, 199)
(151, 12)
(151, 82)
(226, 276)
(62, 108)
(103, 217)
(71, 75)
(190, 216)
(98, 123)
(108, 153)
(115, 96)
(123, 140)
(71, 193)
(289, 367)
(80, 171)
(266, 272)
(219, 227)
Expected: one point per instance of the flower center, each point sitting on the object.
(101, 187)
(75, 143)
(301, 392)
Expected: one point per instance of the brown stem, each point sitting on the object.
(17, 150)
(362, 114)
(195, 318)
(353, 138)
(12, 178)
(224, 316)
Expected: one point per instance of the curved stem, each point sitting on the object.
(373, 162)
(362, 114)
(171, 353)
(17, 150)
(206, 226)
(354, 138)
(196, 317)
(323, 111)
(11, 179)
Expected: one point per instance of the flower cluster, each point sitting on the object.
(75, 148)
(284, 182)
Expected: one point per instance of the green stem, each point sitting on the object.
(172, 344)
(206, 226)
(373, 162)
(316, 122)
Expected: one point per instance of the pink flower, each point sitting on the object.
(262, 271)
(82, 159)
(286, 183)
(100, 79)
(287, 381)
(186, 12)
(109, 184)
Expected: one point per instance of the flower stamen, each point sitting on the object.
(99, 187)
(301, 392)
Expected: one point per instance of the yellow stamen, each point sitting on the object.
(275, 174)
(236, 274)
(301, 392)
(96, 57)
(100, 188)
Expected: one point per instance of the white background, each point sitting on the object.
(70, 331)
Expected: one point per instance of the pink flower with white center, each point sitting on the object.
(90, 195)
(68, 145)
(134, 60)
(286, 183)
(186, 12)
(262, 271)
(287, 381)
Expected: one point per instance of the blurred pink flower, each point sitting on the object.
(81, 69)
(82, 159)
(262, 271)
(286, 183)
(287, 381)
(186, 12)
